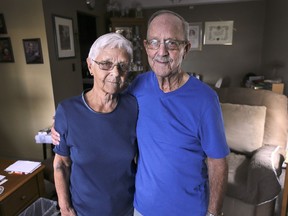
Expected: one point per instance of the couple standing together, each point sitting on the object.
(179, 158)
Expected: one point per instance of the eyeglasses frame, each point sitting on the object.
(100, 64)
(180, 42)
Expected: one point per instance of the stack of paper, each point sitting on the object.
(23, 167)
(2, 179)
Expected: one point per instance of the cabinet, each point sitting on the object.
(20, 190)
(134, 29)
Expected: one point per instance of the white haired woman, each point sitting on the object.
(94, 166)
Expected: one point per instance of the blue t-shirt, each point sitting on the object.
(102, 149)
(176, 132)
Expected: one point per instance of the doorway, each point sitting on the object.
(87, 33)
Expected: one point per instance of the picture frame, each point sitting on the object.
(218, 33)
(6, 51)
(3, 29)
(64, 36)
(195, 36)
(33, 51)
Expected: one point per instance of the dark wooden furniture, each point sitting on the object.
(20, 190)
(285, 193)
(134, 29)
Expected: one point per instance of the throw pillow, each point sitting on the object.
(244, 126)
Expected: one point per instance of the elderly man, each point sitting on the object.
(182, 168)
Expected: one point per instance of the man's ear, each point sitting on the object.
(186, 49)
(145, 45)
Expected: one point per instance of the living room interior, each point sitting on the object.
(30, 92)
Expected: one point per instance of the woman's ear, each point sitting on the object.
(89, 65)
(88, 61)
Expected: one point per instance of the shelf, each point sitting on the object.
(134, 29)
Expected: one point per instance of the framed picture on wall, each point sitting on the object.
(33, 51)
(195, 35)
(64, 37)
(6, 52)
(220, 33)
(3, 29)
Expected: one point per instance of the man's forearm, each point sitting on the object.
(218, 175)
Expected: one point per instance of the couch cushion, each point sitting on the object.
(244, 126)
(276, 122)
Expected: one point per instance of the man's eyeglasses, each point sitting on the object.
(107, 65)
(169, 44)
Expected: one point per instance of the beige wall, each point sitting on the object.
(29, 93)
(26, 94)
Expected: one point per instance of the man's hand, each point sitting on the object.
(55, 136)
(68, 212)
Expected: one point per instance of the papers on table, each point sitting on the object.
(2, 179)
(23, 167)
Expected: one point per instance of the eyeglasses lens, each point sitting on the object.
(124, 67)
(169, 44)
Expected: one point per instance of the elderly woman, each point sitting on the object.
(94, 167)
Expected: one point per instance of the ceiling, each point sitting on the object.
(162, 3)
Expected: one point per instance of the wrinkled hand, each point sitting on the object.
(55, 136)
(68, 212)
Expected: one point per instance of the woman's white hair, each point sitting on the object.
(110, 40)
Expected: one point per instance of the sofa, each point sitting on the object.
(256, 124)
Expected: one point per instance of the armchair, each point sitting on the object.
(256, 125)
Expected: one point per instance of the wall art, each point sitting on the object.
(64, 37)
(6, 51)
(195, 35)
(220, 33)
(33, 51)
(3, 29)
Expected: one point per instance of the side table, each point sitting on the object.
(20, 190)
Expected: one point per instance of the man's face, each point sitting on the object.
(166, 59)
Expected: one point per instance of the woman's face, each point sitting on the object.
(109, 69)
